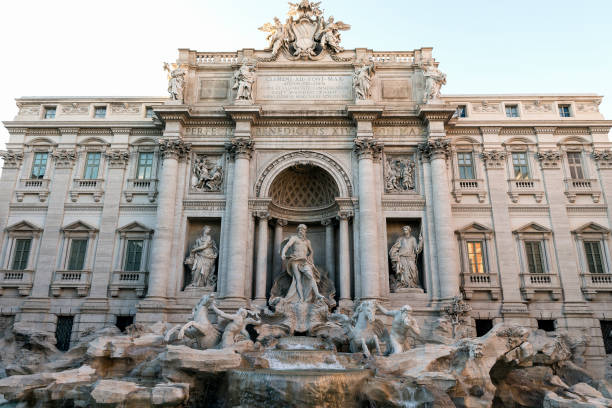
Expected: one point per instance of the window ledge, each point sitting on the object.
(21, 280)
(463, 187)
(480, 282)
(540, 282)
(128, 280)
(592, 283)
(79, 280)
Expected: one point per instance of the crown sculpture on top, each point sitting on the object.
(306, 34)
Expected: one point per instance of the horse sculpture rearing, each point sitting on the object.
(365, 331)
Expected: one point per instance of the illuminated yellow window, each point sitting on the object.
(476, 256)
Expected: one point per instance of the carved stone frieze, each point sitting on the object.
(537, 107)
(125, 108)
(587, 107)
(240, 148)
(29, 110)
(400, 174)
(550, 159)
(494, 159)
(486, 107)
(75, 109)
(603, 158)
(367, 148)
(174, 148)
(117, 158)
(207, 173)
(435, 148)
(12, 158)
(64, 158)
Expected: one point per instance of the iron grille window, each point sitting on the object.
(63, 332)
(575, 165)
(512, 111)
(22, 253)
(133, 254)
(592, 250)
(606, 331)
(50, 112)
(483, 326)
(546, 325)
(521, 167)
(92, 165)
(145, 166)
(466, 165)
(564, 111)
(78, 248)
(535, 259)
(100, 112)
(123, 322)
(476, 256)
(39, 165)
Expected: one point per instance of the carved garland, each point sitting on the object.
(174, 148)
(603, 158)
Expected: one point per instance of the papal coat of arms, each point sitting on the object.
(306, 34)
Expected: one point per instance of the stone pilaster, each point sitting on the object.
(278, 240)
(430, 248)
(330, 261)
(261, 265)
(344, 260)
(10, 172)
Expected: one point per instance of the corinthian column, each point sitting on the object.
(278, 240)
(330, 261)
(344, 261)
(240, 150)
(366, 149)
(171, 151)
(262, 257)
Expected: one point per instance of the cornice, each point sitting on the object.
(429, 113)
(243, 113)
(397, 122)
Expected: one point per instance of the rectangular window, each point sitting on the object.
(133, 254)
(483, 326)
(100, 112)
(535, 258)
(145, 166)
(521, 167)
(22, 253)
(78, 249)
(39, 165)
(466, 165)
(564, 111)
(512, 111)
(92, 165)
(574, 160)
(50, 112)
(63, 332)
(546, 325)
(476, 256)
(592, 250)
(461, 111)
(149, 112)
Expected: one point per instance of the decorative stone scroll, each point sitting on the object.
(400, 175)
(12, 158)
(494, 159)
(64, 158)
(550, 159)
(603, 158)
(117, 158)
(367, 148)
(240, 148)
(174, 148)
(207, 174)
(435, 148)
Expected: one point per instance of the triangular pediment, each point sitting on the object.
(591, 228)
(78, 226)
(24, 226)
(135, 227)
(474, 227)
(532, 227)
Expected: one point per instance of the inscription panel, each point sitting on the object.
(302, 131)
(305, 87)
(213, 88)
(397, 89)
(208, 131)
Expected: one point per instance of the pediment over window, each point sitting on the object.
(591, 228)
(532, 228)
(135, 227)
(475, 228)
(79, 226)
(24, 226)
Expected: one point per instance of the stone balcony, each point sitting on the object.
(575, 187)
(518, 187)
(592, 283)
(20, 280)
(78, 280)
(540, 282)
(480, 282)
(94, 187)
(39, 187)
(146, 187)
(124, 280)
(463, 187)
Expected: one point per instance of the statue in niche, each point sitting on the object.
(235, 330)
(202, 259)
(207, 176)
(301, 281)
(434, 79)
(403, 327)
(244, 78)
(403, 256)
(400, 175)
(176, 81)
(362, 80)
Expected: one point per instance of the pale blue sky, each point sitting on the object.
(115, 47)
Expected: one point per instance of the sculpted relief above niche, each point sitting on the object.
(400, 174)
(207, 173)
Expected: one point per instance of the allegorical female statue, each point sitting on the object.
(362, 80)
(403, 256)
(202, 261)
(244, 78)
(176, 81)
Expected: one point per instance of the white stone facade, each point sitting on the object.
(304, 150)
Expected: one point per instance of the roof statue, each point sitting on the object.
(306, 34)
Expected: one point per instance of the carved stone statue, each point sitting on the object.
(176, 81)
(403, 327)
(199, 327)
(434, 79)
(330, 33)
(277, 35)
(399, 175)
(244, 78)
(403, 256)
(207, 176)
(202, 261)
(362, 80)
(365, 330)
(235, 330)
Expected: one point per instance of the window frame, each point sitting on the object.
(570, 113)
(94, 111)
(21, 230)
(33, 164)
(152, 166)
(541, 255)
(133, 232)
(78, 230)
(512, 106)
(471, 166)
(477, 233)
(536, 232)
(48, 109)
(527, 164)
(593, 232)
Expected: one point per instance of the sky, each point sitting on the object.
(117, 47)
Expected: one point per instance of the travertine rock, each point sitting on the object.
(169, 395)
(117, 392)
(185, 358)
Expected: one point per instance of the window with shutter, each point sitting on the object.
(22, 253)
(78, 249)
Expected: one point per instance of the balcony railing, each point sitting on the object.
(20, 280)
(94, 187)
(127, 280)
(79, 280)
(39, 187)
(146, 187)
(216, 58)
(595, 282)
(575, 187)
(540, 282)
(393, 57)
(481, 282)
(518, 187)
(463, 187)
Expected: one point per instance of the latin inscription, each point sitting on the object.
(303, 131)
(398, 131)
(208, 131)
(305, 87)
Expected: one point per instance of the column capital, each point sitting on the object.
(262, 215)
(603, 158)
(174, 148)
(281, 223)
(367, 148)
(12, 158)
(435, 148)
(327, 222)
(345, 215)
(64, 158)
(494, 159)
(240, 148)
(117, 158)
(550, 159)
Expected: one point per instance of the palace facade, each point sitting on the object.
(103, 200)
